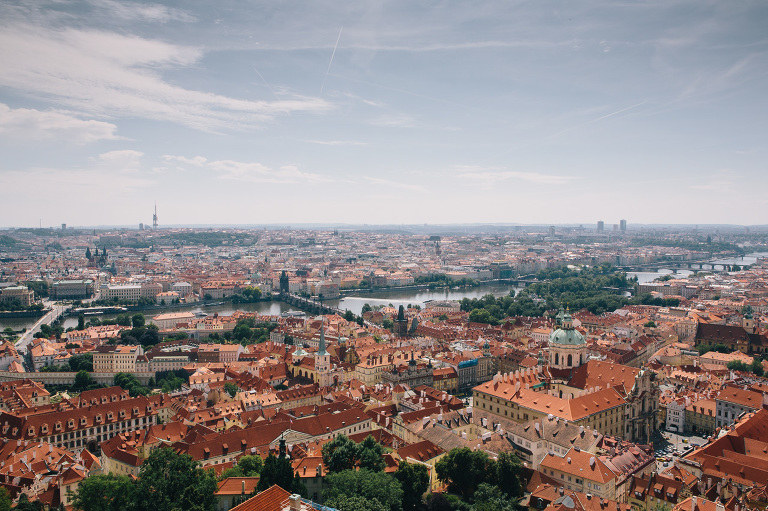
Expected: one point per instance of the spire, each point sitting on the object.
(321, 352)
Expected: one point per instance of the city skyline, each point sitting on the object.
(389, 114)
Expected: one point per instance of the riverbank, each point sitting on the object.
(24, 314)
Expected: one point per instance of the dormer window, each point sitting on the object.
(98, 418)
(31, 431)
(136, 411)
(71, 423)
(44, 428)
(109, 415)
(58, 426)
(83, 421)
(122, 413)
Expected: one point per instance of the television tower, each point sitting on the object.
(154, 218)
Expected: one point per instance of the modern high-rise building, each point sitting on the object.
(551, 231)
(623, 225)
(600, 226)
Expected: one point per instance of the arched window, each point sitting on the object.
(570, 360)
(557, 358)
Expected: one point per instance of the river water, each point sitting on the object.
(396, 297)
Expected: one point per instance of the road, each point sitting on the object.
(671, 443)
(26, 338)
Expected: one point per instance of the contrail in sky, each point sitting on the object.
(265, 83)
(331, 62)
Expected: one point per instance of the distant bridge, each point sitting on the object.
(309, 304)
(675, 266)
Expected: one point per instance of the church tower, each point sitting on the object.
(323, 360)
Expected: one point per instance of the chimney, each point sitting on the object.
(693, 503)
(242, 487)
(295, 502)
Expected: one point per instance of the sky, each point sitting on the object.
(397, 112)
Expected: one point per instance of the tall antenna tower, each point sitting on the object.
(154, 218)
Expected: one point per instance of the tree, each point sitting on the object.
(108, 492)
(241, 332)
(509, 474)
(138, 320)
(278, 470)
(83, 381)
(366, 308)
(25, 505)
(88, 254)
(340, 454)
(81, 322)
(169, 481)
(757, 367)
(349, 316)
(372, 486)
(250, 465)
(491, 498)
(464, 469)
(369, 454)
(83, 362)
(355, 503)
(123, 320)
(231, 388)
(5, 499)
(414, 479)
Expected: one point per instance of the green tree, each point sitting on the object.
(414, 479)
(366, 308)
(355, 503)
(491, 498)
(123, 320)
(81, 322)
(83, 362)
(241, 332)
(231, 388)
(250, 465)
(278, 470)
(509, 474)
(169, 482)
(138, 320)
(757, 367)
(372, 486)
(104, 492)
(349, 316)
(5, 499)
(83, 381)
(369, 454)
(340, 454)
(464, 469)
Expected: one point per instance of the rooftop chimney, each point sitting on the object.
(295, 502)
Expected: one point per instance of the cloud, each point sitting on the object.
(491, 175)
(130, 11)
(197, 161)
(53, 125)
(126, 160)
(396, 184)
(108, 74)
(337, 142)
(252, 172)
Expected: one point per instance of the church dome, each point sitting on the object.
(567, 335)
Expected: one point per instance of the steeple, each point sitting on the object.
(321, 351)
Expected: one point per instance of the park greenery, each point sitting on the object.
(442, 280)
(167, 482)
(756, 367)
(598, 289)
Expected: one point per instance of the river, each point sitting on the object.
(385, 297)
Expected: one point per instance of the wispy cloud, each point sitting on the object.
(337, 142)
(252, 172)
(490, 175)
(130, 11)
(108, 74)
(31, 124)
(395, 184)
